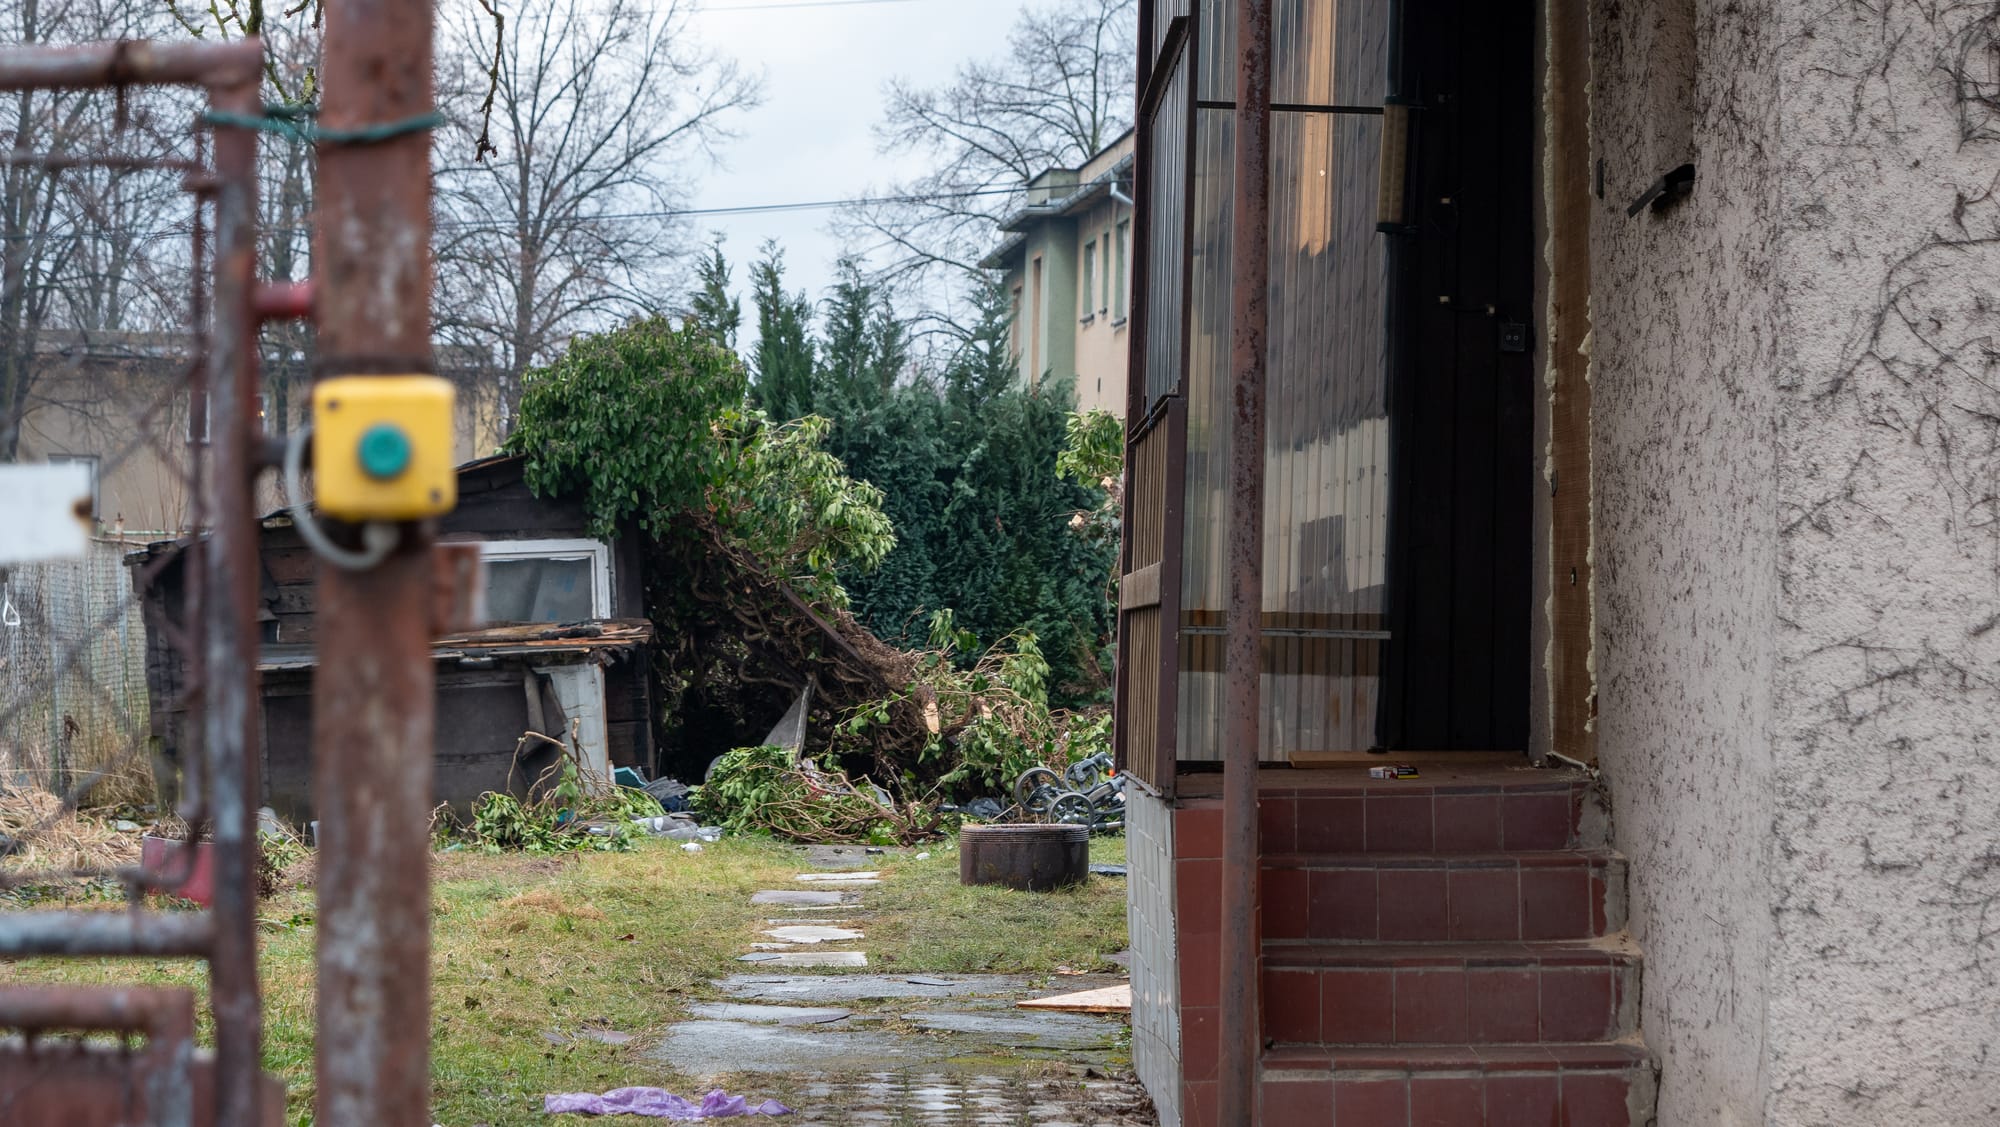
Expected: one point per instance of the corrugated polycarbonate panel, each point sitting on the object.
(1167, 237)
(1163, 13)
(1323, 52)
(1327, 453)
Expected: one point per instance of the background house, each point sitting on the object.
(565, 652)
(1687, 387)
(1067, 264)
(120, 402)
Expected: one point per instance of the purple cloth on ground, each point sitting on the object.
(658, 1103)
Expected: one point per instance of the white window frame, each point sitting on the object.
(597, 551)
(93, 463)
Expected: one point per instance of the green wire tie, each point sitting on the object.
(294, 122)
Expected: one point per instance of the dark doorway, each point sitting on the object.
(1462, 380)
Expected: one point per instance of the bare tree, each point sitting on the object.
(578, 123)
(87, 250)
(1061, 92)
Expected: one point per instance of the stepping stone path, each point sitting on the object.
(806, 958)
(861, 879)
(803, 899)
(941, 1035)
(806, 933)
(792, 934)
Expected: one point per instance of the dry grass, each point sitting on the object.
(51, 837)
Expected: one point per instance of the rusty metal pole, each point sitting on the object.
(229, 561)
(373, 689)
(1249, 280)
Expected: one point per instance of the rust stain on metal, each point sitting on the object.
(458, 589)
(374, 687)
(1250, 267)
(160, 1076)
(223, 645)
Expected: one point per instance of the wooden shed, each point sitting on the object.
(567, 647)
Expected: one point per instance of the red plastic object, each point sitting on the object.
(163, 855)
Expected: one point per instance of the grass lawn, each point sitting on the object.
(521, 945)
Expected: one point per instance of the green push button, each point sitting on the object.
(385, 451)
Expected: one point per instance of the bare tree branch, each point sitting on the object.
(561, 223)
(1062, 92)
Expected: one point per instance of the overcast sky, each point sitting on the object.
(824, 64)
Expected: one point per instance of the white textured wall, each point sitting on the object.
(1149, 897)
(1796, 438)
(1887, 826)
(1683, 426)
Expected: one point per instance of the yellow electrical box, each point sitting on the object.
(382, 447)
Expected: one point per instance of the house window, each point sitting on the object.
(1089, 287)
(1035, 328)
(89, 463)
(1104, 286)
(1122, 242)
(1014, 332)
(201, 414)
(547, 580)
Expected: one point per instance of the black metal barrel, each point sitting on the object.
(1032, 858)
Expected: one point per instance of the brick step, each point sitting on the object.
(1450, 994)
(1585, 1085)
(1410, 817)
(1425, 897)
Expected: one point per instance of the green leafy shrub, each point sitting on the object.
(629, 420)
(764, 790)
(558, 814)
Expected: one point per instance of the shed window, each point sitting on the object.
(547, 580)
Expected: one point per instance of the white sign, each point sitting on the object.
(44, 512)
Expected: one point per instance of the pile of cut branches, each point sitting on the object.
(765, 790)
(567, 809)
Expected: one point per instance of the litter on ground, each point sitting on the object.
(658, 1103)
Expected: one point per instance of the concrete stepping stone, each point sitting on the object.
(808, 934)
(801, 898)
(861, 876)
(806, 958)
(822, 989)
(770, 1015)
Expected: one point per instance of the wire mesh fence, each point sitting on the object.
(73, 675)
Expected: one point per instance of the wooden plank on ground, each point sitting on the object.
(1108, 1000)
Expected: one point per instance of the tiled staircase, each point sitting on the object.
(1447, 952)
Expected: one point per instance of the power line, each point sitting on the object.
(669, 213)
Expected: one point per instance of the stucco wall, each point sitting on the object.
(1685, 527)
(1887, 821)
(1102, 343)
(1796, 439)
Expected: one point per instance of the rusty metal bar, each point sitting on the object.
(1250, 269)
(143, 935)
(284, 301)
(164, 1014)
(231, 723)
(132, 63)
(374, 687)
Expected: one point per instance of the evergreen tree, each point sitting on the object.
(713, 309)
(864, 349)
(984, 365)
(782, 363)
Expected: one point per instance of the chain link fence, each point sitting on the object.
(73, 676)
